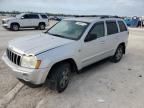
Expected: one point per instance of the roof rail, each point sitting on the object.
(102, 17)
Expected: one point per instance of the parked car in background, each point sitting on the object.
(67, 47)
(134, 21)
(128, 21)
(55, 18)
(26, 20)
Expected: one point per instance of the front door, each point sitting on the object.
(25, 21)
(93, 48)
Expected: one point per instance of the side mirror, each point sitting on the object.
(90, 37)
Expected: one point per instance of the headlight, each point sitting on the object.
(6, 21)
(30, 62)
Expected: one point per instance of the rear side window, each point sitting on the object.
(31, 16)
(44, 16)
(111, 27)
(98, 29)
(122, 26)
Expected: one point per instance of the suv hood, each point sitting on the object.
(11, 18)
(37, 43)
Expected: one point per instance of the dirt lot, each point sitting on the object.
(102, 85)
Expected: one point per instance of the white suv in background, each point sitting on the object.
(68, 46)
(26, 20)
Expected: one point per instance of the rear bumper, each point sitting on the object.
(34, 76)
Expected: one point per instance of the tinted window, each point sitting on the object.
(30, 16)
(122, 26)
(34, 16)
(98, 30)
(26, 16)
(44, 16)
(111, 27)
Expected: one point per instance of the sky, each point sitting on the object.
(80, 7)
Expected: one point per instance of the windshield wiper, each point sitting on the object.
(56, 35)
(60, 36)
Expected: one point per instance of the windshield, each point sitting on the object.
(68, 29)
(19, 15)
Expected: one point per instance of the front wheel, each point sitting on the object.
(118, 54)
(60, 74)
(15, 27)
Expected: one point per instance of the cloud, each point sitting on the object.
(113, 7)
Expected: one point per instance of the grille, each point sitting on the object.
(13, 57)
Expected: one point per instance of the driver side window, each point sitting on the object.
(26, 16)
(98, 30)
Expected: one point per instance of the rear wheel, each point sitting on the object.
(60, 74)
(15, 27)
(118, 54)
(42, 26)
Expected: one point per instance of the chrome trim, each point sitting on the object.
(14, 57)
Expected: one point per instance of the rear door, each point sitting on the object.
(35, 20)
(123, 32)
(112, 37)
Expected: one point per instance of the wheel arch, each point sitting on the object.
(14, 23)
(124, 47)
(69, 60)
(42, 23)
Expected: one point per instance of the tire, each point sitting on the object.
(118, 54)
(60, 74)
(41, 26)
(15, 27)
(36, 28)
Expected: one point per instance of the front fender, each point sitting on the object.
(56, 55)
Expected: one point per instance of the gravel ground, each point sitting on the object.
(101, 85)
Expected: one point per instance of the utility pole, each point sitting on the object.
(142, 21)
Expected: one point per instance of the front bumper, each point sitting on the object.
(6, 26)
(34, 76)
